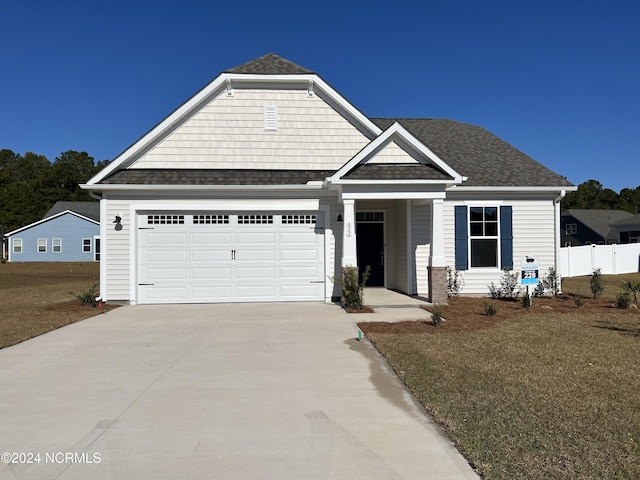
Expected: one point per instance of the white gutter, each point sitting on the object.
(488, 188)
(197, 188)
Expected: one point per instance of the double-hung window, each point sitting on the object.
(56, 245)
(483, 237)
(86, 244)
(17, 245)
(42, 245)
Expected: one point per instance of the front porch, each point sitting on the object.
(401, 240)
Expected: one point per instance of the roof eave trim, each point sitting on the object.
(52, 217)
(447, 182)
(511, 188)
(387, 137)
(196, 188)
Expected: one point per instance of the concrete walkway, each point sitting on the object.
(253, 391)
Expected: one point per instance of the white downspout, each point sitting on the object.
(103, 245)
(557, 229)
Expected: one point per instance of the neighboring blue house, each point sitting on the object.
(69, 232)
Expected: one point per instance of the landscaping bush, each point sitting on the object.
(87, 297)
(490, 308)
(455, 282)
(623, 300)
(552, 281)
(633, 288)
(352, 287)
(494, 291)
(596, 284)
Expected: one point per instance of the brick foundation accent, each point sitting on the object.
(438, 285)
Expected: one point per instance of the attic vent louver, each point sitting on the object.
(271, 117)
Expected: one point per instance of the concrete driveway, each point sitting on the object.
(233, 391)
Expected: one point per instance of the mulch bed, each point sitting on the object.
(467, 313)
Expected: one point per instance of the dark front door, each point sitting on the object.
(370, 245)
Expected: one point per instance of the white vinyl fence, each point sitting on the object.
(610, 259)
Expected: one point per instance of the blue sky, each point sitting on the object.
(557, 79)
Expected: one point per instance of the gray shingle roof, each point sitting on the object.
(379, 171)
(149, 176)
(631, 221)
(599, 220)
(477, 153)
(86, 209)
(269, 64)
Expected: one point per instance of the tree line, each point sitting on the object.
(30, 184)
(592, 195)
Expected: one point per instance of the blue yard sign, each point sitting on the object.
(529, 271)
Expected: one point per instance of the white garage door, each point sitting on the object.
(230, 257)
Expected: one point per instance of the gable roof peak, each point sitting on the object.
(270, 64)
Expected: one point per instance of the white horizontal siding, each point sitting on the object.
(533, 235)
(421, 246)
(229, 133)
(392, 153)
(117, 257)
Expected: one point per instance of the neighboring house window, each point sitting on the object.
(483, 237)
(42, 245)
(56, 245)
(571, 228)
(86, 244)
(17, 245)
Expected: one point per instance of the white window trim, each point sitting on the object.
(492, 237)
(17, 240)
(89, 245)
(38, 245)
(53, 245)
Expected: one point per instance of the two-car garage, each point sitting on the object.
(201, 257)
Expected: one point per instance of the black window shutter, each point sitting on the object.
(506, 237)
(462, 238)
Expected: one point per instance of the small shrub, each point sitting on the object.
(436, 314)
(494, 291)
(353, 287)
(526, 299)
(538, 291)
(509, 286)
(455, 282)
(490, 308)
(596, 284)
(578, 299)
(633, 288)
(623, 300)
(87, 297)
(552, 281)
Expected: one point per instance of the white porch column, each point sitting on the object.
(436, 259)
(349, 251)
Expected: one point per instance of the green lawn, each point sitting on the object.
(537, 396)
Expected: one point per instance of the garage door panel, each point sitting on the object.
(219, 240)
(247, 273)
(211, 255)
(199, 261)
(173, 239)
(209, 293)
(214, 274)
(256, 292)
(256, 237)
(166, 273)
(299, 255)
(165, 294)
(309, 272)
(301, 292)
